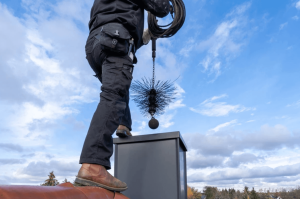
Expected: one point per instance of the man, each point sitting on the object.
(116, 32)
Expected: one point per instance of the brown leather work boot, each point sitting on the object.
(96, 175)
(123, 132)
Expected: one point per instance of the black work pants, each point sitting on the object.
(112, 111)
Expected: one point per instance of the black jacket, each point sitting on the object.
(130, 13)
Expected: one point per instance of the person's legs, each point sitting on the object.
(115, 74)
(98, 146)
(116, 80)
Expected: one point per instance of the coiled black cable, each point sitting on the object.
(177, 10)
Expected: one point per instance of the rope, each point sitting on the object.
(177, 10)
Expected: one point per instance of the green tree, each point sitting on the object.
(253, 194)
(210, 192)
(231, 193)
(51, 181)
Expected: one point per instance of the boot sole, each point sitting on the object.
(121, 134)
(95, 184)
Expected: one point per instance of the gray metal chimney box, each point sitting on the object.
(153, 166)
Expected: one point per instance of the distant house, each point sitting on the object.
(274, 197)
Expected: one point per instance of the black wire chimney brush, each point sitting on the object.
(153, 97)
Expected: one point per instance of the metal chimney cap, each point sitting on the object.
(152, 137)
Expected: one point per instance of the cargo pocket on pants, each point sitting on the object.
(127, 70)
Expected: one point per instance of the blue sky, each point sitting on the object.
(237, 103)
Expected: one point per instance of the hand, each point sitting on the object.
(146, 37)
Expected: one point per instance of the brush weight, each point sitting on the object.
(153, 123)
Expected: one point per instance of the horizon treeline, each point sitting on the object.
(215, 193)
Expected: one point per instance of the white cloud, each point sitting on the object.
(225, 42)
(211, 108)
(198, 160)
(176, 104)
(41, 168)
(185, 51)
(48, 77)
(296, 104)
(11, 147)
(43, 68)
(37, 53)
(298, 5)
(220, 126)
(267, 138)
(142, 126)
(240, 9)
(11, 161)
(234, 158)
(36, 172)
(283, 25)
(244, 173)
(250, 121)
(244, 158)
(295, 17)
(74, 10)
(178, 98)
(165, 120)
(216, 97)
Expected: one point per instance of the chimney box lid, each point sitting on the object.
(152, 137)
